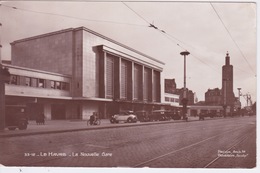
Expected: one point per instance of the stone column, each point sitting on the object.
(47, 111)
(133, 80)
(142, 91)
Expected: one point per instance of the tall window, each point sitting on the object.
(110, 77)
(146, 84)
(156, 86)
(137, 82)
(123, 85)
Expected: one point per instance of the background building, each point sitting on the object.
(213, 97)
(228, 97)
(220, 101)
(172, 92)
(170, 86)
(79, 66)
(172, 99)
(190, 95)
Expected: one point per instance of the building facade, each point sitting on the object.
(190, 95)
(40, 91)
(170, 86)
(87, 71)
(174, 94)
(213, 97)
(172, 99)
(196, 110)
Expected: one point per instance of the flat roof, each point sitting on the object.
(90, 31)
(35, 70)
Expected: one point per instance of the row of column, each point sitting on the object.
(132, 89)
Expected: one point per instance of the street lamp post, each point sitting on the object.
(184, 99)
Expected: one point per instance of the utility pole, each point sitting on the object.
(184, 100)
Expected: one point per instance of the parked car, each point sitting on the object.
(142, 116)
(202, 116)
(16, 117)
(176, 116)
(124, 116)
(160, 115)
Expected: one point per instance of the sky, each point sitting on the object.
(207, 30)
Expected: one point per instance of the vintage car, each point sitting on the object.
(202, 116)
(124, 116)
(160, 115)
(142, 116)
(176, 116)
(15, 117)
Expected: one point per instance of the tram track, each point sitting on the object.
(242, 139)
(144, 163)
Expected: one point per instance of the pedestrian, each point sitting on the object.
(93, 118)
(40, 119)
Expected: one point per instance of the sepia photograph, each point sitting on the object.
(128, 84)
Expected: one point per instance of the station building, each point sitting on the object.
(71, 73)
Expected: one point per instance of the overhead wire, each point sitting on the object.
(151, 25)
(196, 56)
(199, 59)
(72, 17)
(232, 38)
(135, 12)
(178, 41)
(169, 36)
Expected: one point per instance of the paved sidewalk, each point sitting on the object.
(59, 126)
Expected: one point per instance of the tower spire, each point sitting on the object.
(227, 59)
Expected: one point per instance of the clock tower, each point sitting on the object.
(228, 96)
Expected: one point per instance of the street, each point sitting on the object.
(219, 143)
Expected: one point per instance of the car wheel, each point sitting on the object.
(129, 120)
(22, 125)
(98, 122)
(112, 120)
